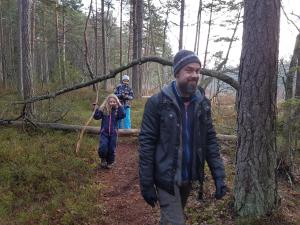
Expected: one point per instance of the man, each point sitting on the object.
(125, 94)
(177, 137)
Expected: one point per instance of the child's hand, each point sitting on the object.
(95, 105)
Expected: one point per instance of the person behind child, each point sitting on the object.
(125, 94)
(110, 112)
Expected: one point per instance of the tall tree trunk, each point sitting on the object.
(32, 37)
(45, 71)
(164, 68)
(181, 23)
(130, 35)
(292, 70)
(63, 46)
(103, 42)
(3, 74)
(58, 56)
(140, 19)
(96, 38)
(198, 28)
(26, 60)
(135, 76)
(255, 188)
(121, 36)
(208, 33)
(297, 89)
(20, 45)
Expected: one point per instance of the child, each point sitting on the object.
(110, 112)
(125, 95)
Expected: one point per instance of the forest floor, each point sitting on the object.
(123, 204)
(43, 180)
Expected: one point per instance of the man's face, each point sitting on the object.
(187, 79)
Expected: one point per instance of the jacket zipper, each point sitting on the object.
(109, 124)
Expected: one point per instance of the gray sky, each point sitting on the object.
(287, 32)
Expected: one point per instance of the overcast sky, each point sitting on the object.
(287, 31)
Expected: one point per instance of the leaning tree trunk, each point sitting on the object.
(255, 188)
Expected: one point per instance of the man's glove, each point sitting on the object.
(150, 196)
(221, 188)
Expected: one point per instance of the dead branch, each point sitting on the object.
(219, 75)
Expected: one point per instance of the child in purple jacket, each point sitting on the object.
(110, 112)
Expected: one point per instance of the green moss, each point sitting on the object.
(43, 181)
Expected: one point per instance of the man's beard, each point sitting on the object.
(187, 88)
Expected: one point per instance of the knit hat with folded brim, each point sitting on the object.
(182, 58)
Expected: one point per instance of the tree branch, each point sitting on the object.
(219, 75)
(289, 18)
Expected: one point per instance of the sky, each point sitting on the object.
(288, 32)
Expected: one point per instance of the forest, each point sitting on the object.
(59, 57)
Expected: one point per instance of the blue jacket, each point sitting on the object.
(109, 125)
(124, 93)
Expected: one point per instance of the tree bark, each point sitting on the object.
(255, 188)
(198, 28)
(20, 44)
(140, 19)
(181, 26)
(208, 34)
(3, 74)
(63, 46)
(135, 77)
(45, 71)
(32, 36)
(121, 36)
(103, 42)
(297, 89)
(58, 56)
(26, 59)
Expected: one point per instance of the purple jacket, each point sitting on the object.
(109, 125)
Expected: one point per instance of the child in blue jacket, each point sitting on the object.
(110, 112)
(125, 95)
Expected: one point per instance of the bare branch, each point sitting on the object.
(219, 75)
(289, 18)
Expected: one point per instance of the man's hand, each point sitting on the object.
(150, 196)
(221, 188)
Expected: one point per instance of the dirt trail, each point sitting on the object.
(120, 195)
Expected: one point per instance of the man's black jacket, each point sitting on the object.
(160, 140)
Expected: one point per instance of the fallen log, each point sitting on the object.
(92, 129)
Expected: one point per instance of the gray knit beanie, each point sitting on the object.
(182, 58)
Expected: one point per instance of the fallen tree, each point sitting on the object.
(211, 73)
(91, 129)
